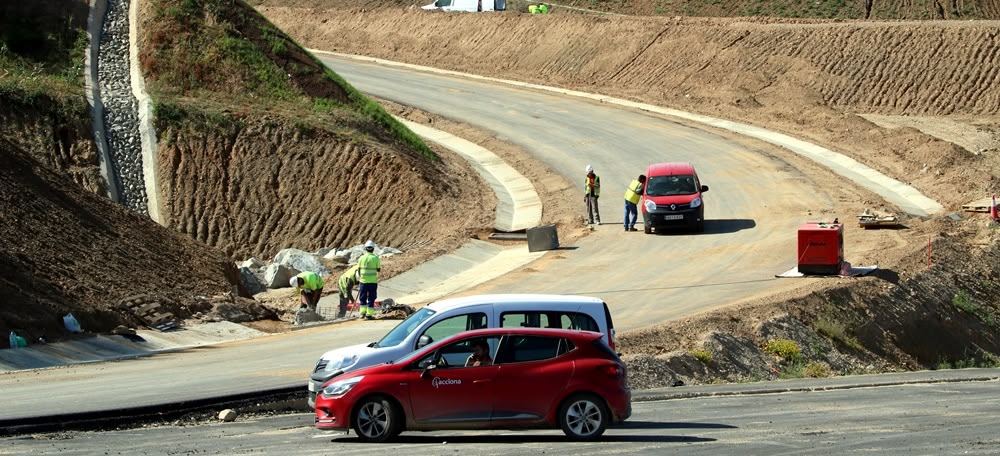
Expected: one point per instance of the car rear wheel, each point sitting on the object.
(583, 417)
(377, 419)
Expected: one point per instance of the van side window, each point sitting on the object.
(549, 319)
(454, 325)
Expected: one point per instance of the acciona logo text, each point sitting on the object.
(438, 382)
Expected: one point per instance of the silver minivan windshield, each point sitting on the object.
(404, 328)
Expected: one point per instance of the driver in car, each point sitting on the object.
(480, 354)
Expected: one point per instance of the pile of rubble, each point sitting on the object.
(258, 276)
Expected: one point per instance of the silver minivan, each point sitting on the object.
(447, 317)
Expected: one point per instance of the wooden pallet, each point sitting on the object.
(982, 205)
(150, 313)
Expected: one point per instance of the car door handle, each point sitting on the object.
(483, 380)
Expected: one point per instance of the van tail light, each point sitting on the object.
(612, 370)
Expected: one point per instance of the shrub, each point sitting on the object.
(784, 348)
(817, 369)
(702, 355)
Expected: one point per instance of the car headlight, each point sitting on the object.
(695, 202)
(341, 387)
(650, 206)
(341, 363)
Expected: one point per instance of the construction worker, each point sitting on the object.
(368, 268)
(632, 195)
(346, 286)
(311, 286)
(592, 191)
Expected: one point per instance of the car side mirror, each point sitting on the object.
(424, 341)
(427, 371)
(704, 188)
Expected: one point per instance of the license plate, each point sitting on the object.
(674, 217)
(312, 387)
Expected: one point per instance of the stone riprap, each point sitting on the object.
(121, 120)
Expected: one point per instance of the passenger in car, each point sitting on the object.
(480, 354)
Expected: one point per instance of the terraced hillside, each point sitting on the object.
(812, 79)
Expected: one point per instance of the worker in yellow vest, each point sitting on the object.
(369, 266)
(632, 195)
(311, 286)
(345, 287)
(592, 191)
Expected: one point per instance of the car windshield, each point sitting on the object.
(671, 185)
(399, 333)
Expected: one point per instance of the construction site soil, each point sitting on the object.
(820, 81)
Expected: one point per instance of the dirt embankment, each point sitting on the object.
(63, 249)
(257, 184)
(809, 79)
(56, 133)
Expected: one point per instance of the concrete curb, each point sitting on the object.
(95, 22)
(816, 384)
(147, 134)
(904, 196)
(518, 205)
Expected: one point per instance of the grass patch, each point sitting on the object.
(817, 369)
(963, 302)
(836, 331)
(984, 360)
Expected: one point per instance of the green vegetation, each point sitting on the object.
(42, 55)
(222, 53)
(783, 348)
(988, 315)
(983, 360)
(702, 355)
(837, 331)
(814, 369)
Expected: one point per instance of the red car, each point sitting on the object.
(503, 378)
(673, 197)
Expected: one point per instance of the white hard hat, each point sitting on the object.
(590, 169)
(370, 245)
(294, 281)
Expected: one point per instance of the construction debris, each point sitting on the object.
(147, 309)
(872, 219)
(982, 205)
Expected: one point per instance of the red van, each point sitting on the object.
(673, 198)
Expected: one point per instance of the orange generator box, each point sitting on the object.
(821, 248)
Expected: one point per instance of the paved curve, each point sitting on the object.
(754, 205)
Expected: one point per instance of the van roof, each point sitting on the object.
(670, 169)
(446, 304)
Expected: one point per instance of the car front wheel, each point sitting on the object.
(377, 419)
(583, 417)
